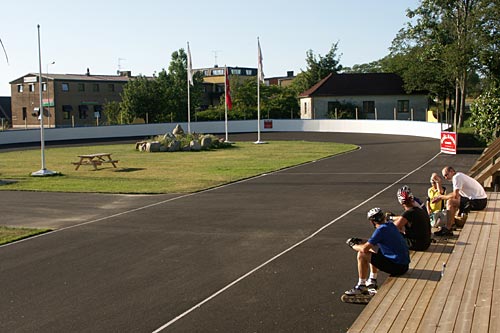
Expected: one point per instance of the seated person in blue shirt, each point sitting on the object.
(386, 250)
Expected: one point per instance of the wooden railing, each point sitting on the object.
(486, 169)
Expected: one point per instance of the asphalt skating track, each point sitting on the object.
(266, 254)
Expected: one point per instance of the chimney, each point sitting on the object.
(289, 74)
(126, 73)
(88, 72)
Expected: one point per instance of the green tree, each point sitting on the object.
(486, 115)
(162, 98)
(372, 67)
(112, 113)
(140, 99)
(446, 32)
(318, 67)
(275, 102)
(488, 42)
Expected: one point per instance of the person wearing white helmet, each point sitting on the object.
(414, 222)
(386, 250)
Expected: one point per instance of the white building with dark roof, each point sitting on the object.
(375, 95)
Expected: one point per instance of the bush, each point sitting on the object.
(485, 116)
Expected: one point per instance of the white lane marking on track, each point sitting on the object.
(287, 250)
(341, 173)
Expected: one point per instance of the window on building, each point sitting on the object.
(44, 86)
(250, 72)
(25, 113)
(403, 106)
(111, 87)
(369, 106)
(65, 86)
(95, 87)
(83, 111)
(206, 72)
(81, 86)
(67, 109)
(218, 72)
(236, 71)
(31, 87)
(19, 88)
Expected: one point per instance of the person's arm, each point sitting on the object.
(452, 195)
(400, 223)
(440, 187)
(365, 247)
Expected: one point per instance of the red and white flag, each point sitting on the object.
(260, 69)
(229, 103)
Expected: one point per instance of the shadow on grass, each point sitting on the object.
(130, 169)
(7, 182)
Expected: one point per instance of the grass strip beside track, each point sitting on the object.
(8, 234)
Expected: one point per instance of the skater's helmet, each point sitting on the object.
(376, 215)
(404, 195)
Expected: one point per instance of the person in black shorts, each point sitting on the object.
(414, 222)
(386, 250)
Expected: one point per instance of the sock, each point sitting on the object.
(362, 282)
(373, 276)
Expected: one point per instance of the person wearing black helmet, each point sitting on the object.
(414, 223)
(386, 250)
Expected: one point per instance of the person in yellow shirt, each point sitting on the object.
(436, 209)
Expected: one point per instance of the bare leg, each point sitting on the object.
(364, 264)
(452, 207)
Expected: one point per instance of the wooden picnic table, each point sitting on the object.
(95, 160)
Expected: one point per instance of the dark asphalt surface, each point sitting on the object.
(122, 263)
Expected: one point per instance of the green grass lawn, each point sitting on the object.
(141, 172)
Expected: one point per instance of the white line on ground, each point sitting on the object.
(288, 250)
(341, 173)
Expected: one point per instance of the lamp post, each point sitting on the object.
(48, 92)
(43, 171)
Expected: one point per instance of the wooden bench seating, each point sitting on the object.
(463, 299)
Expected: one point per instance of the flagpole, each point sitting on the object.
(260, 76)
(226, 77)
(43, 171)
(189, 82)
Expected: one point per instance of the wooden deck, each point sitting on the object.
(466, 298)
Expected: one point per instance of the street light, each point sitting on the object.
(48, 92)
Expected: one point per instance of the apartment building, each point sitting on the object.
(68, 99)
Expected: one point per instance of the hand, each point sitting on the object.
(353, 241)
(436, 199)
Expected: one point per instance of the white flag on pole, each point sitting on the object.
(260, 68)
(189, 66)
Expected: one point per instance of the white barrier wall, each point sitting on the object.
(399, 127)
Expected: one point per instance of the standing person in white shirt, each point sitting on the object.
(467, 195)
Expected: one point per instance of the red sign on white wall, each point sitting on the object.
(449, 142)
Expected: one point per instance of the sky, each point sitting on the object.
(140, 36)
